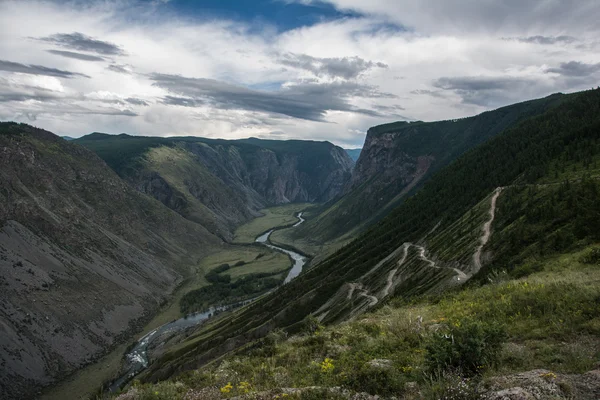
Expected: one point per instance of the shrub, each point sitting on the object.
(467, 348)
(592, 257)
(383, 381)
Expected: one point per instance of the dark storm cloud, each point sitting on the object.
(575, 69)
(308, 101)
(490, 91)
(546, 40)
(37, 70)
(77, 56)
(8, 97)
(346, 67)
(136, 101)
(391, 111)
(120, 68)
(181, 101)
(433, 93)
(79, 41)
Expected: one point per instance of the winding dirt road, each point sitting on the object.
(487, 229)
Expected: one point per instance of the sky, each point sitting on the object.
(284, 69)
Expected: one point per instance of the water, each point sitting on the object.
(137, 358)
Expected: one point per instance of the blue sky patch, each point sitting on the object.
(280, 14)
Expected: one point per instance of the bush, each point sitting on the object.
(468, 348)
(592, 257)
(383, 381)
(240, 263)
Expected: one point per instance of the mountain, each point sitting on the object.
(68, 138)
(353, 153)
(85, 260)
(398, 158)
(223, 183)
(522, 203)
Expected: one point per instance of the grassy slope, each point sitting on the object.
(551, 319)
(520, 155)
(542, 290)
(181, 170)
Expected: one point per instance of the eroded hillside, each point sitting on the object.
(84, 258)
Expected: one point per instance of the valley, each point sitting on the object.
(167, 323)
(200, 253)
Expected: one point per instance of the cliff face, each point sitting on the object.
(84, 258)
(385, 168)
(222, 183)
(398, 157)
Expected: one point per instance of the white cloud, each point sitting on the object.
(456, 58)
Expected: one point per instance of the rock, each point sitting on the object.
(545, 385)
(515, 393)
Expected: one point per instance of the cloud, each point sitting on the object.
(433, 93)
(120, 68)
(576, 69)
(77, 56)
(79, 41)
(478, 16)
(308, 101)
(490, 91)
(339, 67)
(10, 66)
(136, 102)
(330, 79)
(545, 40)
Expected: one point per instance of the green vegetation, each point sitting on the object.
(550, 319)
(223, 291)
(273, 217)
(235, 274)
(377, 193)
(221, 184)
(524, 155)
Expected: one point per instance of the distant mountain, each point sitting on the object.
(223, 183)
(85, 259)
(353, 153)
(398, 158)
(68, 138)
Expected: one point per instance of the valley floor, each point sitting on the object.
(255, 260)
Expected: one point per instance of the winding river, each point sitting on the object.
(136, 360)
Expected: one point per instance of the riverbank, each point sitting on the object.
(138, 357)
(88, 380)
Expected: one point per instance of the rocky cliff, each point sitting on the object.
(84, 258)
(398, 157)
(223, 183)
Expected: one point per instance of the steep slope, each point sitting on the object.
(399, 157)
(84, 258)
(437, 238)
(221, 183)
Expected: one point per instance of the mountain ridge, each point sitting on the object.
(250, 173)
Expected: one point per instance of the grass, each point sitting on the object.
(551, 320)
(256, 259)
(273, 217)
